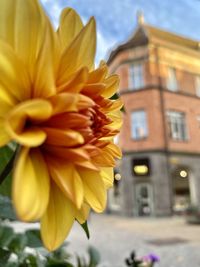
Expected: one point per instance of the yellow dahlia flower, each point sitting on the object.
(57, 107)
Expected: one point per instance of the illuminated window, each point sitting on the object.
(141, 167)
(177, 125)
(198, 86)
(172, 83)
(136, 79)
(139, 128)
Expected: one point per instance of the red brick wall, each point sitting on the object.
(191, 107)
(149, 100)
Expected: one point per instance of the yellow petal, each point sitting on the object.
(64, 102)
(29, 34)
(67, 179)
(30, 188)
(5, 107)
(79, 54)
(14, 80)
(116, 117)
(112, 84)
(83, 213)
(98, 75)
(33, 111)
(108, 176)
(57, 220)
(94, 189)
(76, 82)
(93, 89)
(70, 26)
(113, 150)
(7, 10)
(4, 136)
(104, 159)
(43, 75)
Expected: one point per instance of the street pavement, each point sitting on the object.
(175, 242)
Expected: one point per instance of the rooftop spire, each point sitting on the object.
(140, 17)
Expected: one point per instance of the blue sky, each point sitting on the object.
(116, 19)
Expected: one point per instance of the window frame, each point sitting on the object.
(172, 82)
(144, 123)
(177, 120)
(139, 74)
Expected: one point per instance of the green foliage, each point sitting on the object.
(6, 208)
(7, 154)
(94, 258)
(86, 229)
(4, 256)
(33, 238)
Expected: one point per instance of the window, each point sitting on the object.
(138, 125)
(177, 125)
(141, 167)
(198, 86)
(136, 80)
(172, 84)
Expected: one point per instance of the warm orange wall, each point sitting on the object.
(191, 107)
(149, 100)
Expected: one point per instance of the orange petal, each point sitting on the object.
(71, 154)
(60, 137)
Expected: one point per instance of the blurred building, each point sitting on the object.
(160, 137)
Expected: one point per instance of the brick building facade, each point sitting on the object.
(160, 137)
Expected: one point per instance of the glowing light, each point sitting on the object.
(141, 169)
(118, 176)
(183, 174)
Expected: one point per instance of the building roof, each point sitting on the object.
(145, 34)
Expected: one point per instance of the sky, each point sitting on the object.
(116, 19)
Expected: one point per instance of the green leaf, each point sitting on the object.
(6, 155)
(57, 263)
(86, 229)
(95, 257)
(6, 209)
(4, 256)
(6, 236)
(18, 243)
(115, 97)
(33, 238)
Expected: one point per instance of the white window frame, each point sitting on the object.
(136, 76)
(139, 125)
(172, 83)
(177, 125)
